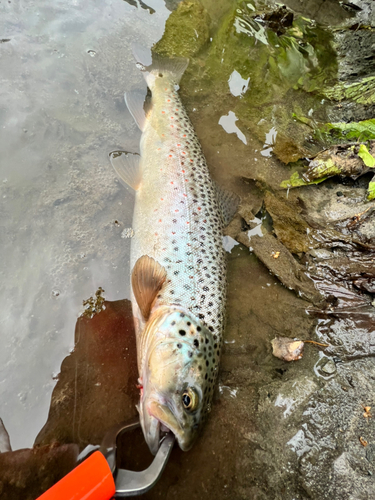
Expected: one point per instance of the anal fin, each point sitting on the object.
(127, 167)
(228, 203)
(148, 277)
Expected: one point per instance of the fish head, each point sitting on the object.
(177, 376)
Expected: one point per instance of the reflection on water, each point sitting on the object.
(64, 71)
(228, 123)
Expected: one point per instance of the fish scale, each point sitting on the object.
(176, 216)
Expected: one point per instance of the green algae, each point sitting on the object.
(284, 64)
(344, 132)
(367, 158)
(186, 31)
(361, 92)
(286, 58)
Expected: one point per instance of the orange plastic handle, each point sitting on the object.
(91, 480)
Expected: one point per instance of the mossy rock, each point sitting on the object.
(344, 132)
(187, 30)
(361, 92)
(290, 227)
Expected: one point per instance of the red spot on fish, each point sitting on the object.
(183, 152)
(162, 135)
(156, 234)
(162, 199)
(168, 100)
(159, 220)
(183, 171)
(171, 117)
(191, 277)
(176, 210)
(186, 180)
(178, 145)
(163, 112)
(185, 194)
(172, 126)
(184, 135)
(199, 208)
(170, 156)
(171, 182)
(159, 149)
(191, 161)
(173, 232)
(176, 109)
(187, 222)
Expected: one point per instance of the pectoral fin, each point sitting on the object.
(148, 277)
(228, 203)
(127, 167)
(135, 102)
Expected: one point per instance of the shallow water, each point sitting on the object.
(63, 74)
(64, 69)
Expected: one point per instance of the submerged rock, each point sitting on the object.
(186, 31)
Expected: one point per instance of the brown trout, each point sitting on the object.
(177, 259)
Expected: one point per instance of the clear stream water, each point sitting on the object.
(63, 72)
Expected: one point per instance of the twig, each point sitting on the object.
(317, 343)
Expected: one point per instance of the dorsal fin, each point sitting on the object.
(127, 167)
(148, 277)
(228, 203)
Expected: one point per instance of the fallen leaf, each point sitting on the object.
(287, 349)
(276, 255)
(363, 441)
(367, 413)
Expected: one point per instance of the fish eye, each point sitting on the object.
(190, 399)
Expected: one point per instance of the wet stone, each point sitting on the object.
(329, 368)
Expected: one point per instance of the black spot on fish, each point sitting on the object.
(196, 342)
(182, 332)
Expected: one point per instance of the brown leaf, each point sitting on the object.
(363, 441)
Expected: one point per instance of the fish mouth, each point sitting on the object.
(161, 419)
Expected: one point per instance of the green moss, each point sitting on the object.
(344, 132)
(367, 158)
(371, 190)
(362, 92)
(186, 31)
(285, 63)
(285, 57)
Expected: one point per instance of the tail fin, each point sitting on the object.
(156, 66)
